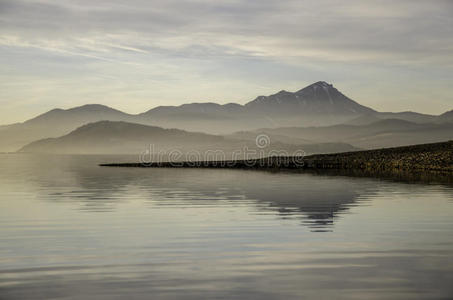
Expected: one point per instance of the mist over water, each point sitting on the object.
(70, 228)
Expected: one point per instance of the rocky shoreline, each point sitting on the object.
(436, 157)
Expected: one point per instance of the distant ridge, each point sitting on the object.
(319, 104)
(78, 115)
(446, 117)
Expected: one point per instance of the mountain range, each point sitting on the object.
(319, 105)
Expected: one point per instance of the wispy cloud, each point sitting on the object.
(246, 46)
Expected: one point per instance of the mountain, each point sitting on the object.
(107, 137)
(78, 116)
(55, 123)
(319, 98)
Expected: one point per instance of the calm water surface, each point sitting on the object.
(73, 230)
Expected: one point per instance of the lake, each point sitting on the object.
(73, 230)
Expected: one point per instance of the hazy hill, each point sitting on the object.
(383, 133)
(369, 118)
(107, 137)
(408, 116)
(446, 117)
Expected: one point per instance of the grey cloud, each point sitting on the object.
(252, 43)
(384, 28)
(406, 27)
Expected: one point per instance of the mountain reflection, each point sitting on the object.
(316, 200)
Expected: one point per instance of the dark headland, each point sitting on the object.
(437, 157)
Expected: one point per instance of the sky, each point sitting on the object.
(138, 54)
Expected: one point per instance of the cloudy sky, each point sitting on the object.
(137, 54)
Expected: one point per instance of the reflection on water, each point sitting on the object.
(71, 228)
